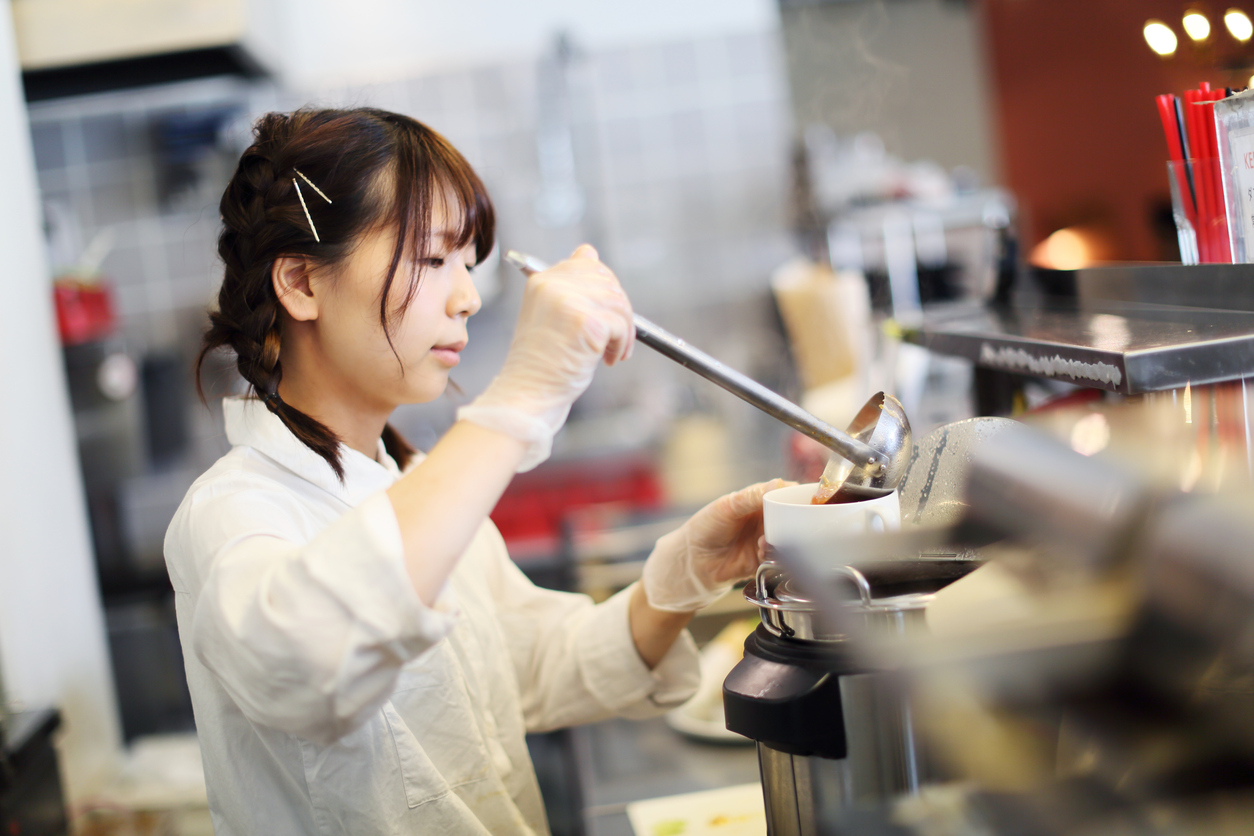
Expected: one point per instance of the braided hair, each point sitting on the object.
(378, 168)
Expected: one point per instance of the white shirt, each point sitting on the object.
(330, 700)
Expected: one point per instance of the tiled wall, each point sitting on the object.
(681, 149)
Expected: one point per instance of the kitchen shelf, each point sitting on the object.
(1130, 328)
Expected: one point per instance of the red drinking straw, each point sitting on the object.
(1214, 185)
(1224, 245)
(1166, 113)
(1197, 144)
(1203, 144)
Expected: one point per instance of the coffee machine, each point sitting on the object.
(833, 731)
(1115, 696)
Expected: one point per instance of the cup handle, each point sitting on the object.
(876, 522)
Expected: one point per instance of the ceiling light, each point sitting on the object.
(1196, 26)
(1238, 23)
(1160, 37)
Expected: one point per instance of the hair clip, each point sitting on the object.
(303, 205)
(272, 399)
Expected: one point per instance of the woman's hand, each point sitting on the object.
(574, 315)
(719, 545)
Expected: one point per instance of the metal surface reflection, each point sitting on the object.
(1096, 674)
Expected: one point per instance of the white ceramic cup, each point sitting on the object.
(790, 520)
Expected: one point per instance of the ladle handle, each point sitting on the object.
(740, 385)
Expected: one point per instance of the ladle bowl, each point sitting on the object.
(882, 425)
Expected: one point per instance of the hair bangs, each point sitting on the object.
(429, 173)
(440, 177)
(474, 208)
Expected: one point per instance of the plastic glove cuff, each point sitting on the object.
(670, 582)
(530, 430)
(668, 601)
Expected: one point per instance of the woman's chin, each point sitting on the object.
(432, 387)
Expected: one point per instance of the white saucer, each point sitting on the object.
(708, 731)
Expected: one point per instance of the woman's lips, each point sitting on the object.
(449, 355)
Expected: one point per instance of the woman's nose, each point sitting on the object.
(464, 301)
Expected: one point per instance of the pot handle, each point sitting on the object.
(859, 581)
(768, 576)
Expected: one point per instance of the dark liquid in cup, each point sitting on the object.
(834, 499)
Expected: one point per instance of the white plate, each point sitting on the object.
(709, 731)
(730, 811)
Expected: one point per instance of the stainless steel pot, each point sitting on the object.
(789, 613)
(830, 733)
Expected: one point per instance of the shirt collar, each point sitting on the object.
(250, 424)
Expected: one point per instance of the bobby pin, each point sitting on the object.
(312, 186)
(300, 195)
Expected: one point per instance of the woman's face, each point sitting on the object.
(428, 337)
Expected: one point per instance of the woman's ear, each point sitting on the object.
(290, 276)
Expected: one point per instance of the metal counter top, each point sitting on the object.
(622, 761)
(1127, 347)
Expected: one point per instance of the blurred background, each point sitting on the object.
(773, 180)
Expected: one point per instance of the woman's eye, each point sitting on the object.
(434, 262)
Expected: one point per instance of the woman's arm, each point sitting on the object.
(653, 631)
(628, 656)
(579, 662)
(441, 503)
(574, 315)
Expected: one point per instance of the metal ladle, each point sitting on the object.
(873, 454)
(882, 425)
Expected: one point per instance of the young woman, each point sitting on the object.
(363, 656)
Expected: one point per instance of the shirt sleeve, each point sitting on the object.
(307, 638)
(576, 661)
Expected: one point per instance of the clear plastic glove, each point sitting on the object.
(574, 315)
(719, 545)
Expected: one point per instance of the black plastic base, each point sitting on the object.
(786, 695)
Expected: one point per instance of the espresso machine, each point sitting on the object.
(832, 730)
(1115, 697)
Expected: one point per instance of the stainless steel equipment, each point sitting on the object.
(832, 730)
(933, 489)
(1127, 328)
(1115, 696)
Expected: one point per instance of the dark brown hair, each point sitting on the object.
(378, 168)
